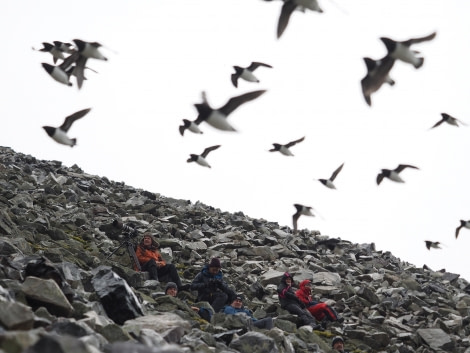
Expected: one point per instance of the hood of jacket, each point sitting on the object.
(303, 287)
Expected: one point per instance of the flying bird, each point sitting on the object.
(432, 244)
(59, 134)
(288, 8)
(301, 210)
(55, 50)
(246, 73)
(189, 125)
(463, 224)
(58, 73)
(393, 174)
(377, 74)
(402, 50)
(446, 118)
(217, 118)
(201, 159)
(284, 149)
(329, 182)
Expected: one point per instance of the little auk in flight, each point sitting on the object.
(402, 51)
(189, 125)
(59, 134)
(246, 73)
(329, 182)
(301, 210)
(201, 159)
(446, 118)
(377, 74)
(217, 118)
(393, 174)
(432, 244)
(284, 149)
(463, 224)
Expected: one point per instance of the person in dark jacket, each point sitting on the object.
(321, 311)
(292, 304)
(237, 307)
(211, 286)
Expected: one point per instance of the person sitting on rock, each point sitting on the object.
(321, 311)
(171, 289)
(152, 261)
(337, 343)
(292, 304)
(211, 286)
(237, 307)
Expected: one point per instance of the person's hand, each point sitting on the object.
(195, 308)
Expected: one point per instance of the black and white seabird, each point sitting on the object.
(432, 244)
(377, 74)
(54, 49)
(329, 182)
(246, 73)
(301, 210)
(393, 174)
(284, 149)
(58, 73)
(59, 134)
(402, 50)
(463, 224)
(288, 8)
(201, 158)
(189, 125)
(446, 118)
(217, 118)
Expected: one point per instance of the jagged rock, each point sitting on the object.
(254, 342)
(436, 338)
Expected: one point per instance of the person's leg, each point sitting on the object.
(304, 315)
(151, 268)
(266, 323)
(169, 270)
(219, 299)
(318, 311)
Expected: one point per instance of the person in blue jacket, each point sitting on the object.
(237, 307)
(211, 287)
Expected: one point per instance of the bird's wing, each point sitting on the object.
(71, 118)
(181, 129)
(428, 244)
(380, 177)
(403, 166)
(292, 143)
(457, 230)
(420, 39)
(446, 116)
(336, 172)
(437, 124)
(234, 78)
(208, 149)
(235, 102)
(287, 8)
(255, 64)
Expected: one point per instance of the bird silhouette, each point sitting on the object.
(446, 118)
(217, 118)
(201, 158)
(402, 50)
(329, 182)
(288, 8)
(393, 174)
(377, 74)
(246, 73)
(59, 134)
(189, 125)
(463, 224)
(432, 244)
(301, 210)
(284, 149)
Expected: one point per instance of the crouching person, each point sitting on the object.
(292, 304)
(211, 287)
(237, 307)
(321, 311)
(171, 289)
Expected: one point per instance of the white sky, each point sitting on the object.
(163, 53)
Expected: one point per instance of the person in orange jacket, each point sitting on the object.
(321, 311)
(152, 261)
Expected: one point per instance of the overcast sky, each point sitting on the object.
(163, 54)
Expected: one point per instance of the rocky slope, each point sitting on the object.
(67, 286)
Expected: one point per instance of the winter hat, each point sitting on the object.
(239, 297)
(336, 339)
(215, 262)
(287, 275)
(170, 285)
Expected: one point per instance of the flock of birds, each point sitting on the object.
(74, 58)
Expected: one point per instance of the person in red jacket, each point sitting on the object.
(321, 311)
(152, 261)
